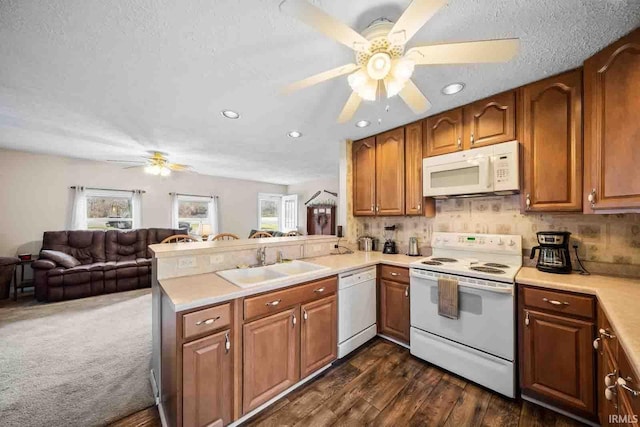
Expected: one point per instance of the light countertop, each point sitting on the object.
(618, 297)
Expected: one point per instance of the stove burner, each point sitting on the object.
(444, 259)
(431, 263)
(495, 265)
(487, 270)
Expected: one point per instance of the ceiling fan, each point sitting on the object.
(156, 164)
(381, 63)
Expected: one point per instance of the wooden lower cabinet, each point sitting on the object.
(318, 335)
(394, 310)
(557, 363)
(207, 381)
(271, 363)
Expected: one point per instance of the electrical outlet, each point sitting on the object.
(187, 262)
(216, 259)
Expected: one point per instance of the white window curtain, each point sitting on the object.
(213, 215)
(79, 209)
(174, 211)
(136, 208)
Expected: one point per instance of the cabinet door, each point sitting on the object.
(318, 335)
(608, 401)
(413, 168)
(271, 355)
(612, 128)
(364, 177)
(206, 381)
(442, 133)
(552, 143)
(394, 310)
(490, 121)
(390, 173)
(557, 361)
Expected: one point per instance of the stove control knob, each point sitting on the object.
(512, 243)
(500, 242)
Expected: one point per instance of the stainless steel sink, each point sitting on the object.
(249, 277)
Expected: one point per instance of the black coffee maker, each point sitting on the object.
(554, 256)
(389, 243)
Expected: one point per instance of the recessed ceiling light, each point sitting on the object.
(230, 114)
(294, 134)
(452, 88)
(363, 123)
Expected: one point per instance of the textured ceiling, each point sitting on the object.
(112, 79)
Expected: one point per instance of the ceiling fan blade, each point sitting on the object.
(126, 161)
(134, 167)
(178, 167)
(321, 77)
(500, 50)
(325, 23)
(412, 96)
(412, 19)
(349, 108)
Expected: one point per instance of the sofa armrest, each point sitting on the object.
(43, 264)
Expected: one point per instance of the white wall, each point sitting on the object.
(307, 189)
(35, 196)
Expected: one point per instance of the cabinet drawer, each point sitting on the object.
(559, 302)
(274, 302)
(396, 274)
(632, 380)
(209, 319)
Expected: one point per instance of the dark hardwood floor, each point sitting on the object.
(382, 384)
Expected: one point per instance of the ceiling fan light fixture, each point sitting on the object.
(379, 65)
(363, 123)
(403, 69)
(230, 114)
(357, 79)
(165, 171)
(453, 88)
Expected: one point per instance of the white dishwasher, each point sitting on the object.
(356, 309)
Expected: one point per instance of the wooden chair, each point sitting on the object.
(260, 234)
(223, 236)
(178, 238)
(293, 234)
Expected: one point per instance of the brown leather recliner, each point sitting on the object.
(110, 261)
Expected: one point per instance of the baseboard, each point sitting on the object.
(395, 341)
(278, 397)
(154, 387)
(560, 411)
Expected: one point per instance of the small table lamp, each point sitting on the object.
(206, 230)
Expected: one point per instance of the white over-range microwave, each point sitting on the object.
(480, 171)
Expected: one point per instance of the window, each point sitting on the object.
(109, 209)
(277, 212)
(197, 213)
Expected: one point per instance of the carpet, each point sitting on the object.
(84, 362)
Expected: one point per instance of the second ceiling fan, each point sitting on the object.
(381, 64)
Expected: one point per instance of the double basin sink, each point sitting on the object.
(249, 277)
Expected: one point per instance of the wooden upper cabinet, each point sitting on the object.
(389, 173)
(413, 168)
(207, 381)
(490, 121)
(318, 335)
(557, 361)
(271, 357)
(442, 133)
(394, 310)
(364, 177)
(612, 128)
(551, 136)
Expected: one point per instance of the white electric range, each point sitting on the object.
(480, 344)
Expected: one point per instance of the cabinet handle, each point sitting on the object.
(592, 197)
(207, 321)
(293, 320)
(372, 208)
(596, 343)
(607, 378)
(319, 290)
(406, 292)
(305, 316)
(528, 200)
(378, 208)
(609, 393)
(273, 303)
(526, 318)
(606, 333)
(395, 274)
(554, 302)
(419, 206)
(623, 383)
(473, 141)
(459, 142)
(227, 343)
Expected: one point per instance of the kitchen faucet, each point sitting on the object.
(262, 255)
